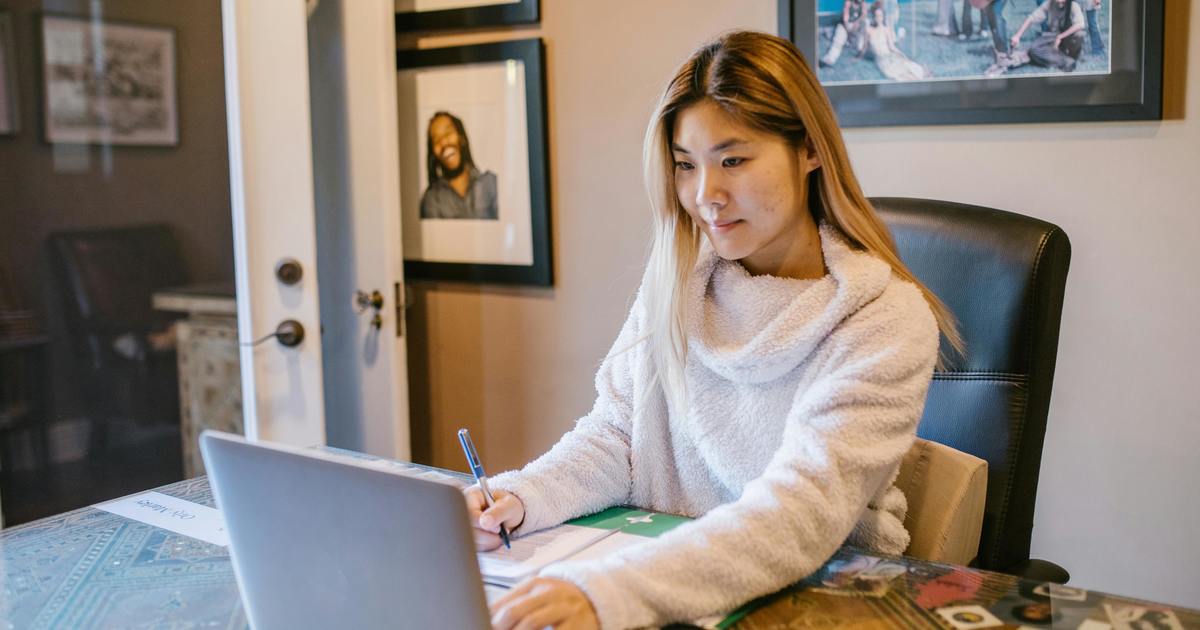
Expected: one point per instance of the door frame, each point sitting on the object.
(345, 370)
(270, 181)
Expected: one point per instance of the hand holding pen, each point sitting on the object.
(492, 514)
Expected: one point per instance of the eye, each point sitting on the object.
(684, 166)
(731, 162)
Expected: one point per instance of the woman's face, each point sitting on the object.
(747, 190)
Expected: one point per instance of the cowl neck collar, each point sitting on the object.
(789, 318)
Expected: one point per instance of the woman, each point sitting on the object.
(892, 62)
(769, 377)
(848, 31)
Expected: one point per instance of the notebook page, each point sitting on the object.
(532, 552)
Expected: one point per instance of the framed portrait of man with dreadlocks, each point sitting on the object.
(929, 62)
(474, 199)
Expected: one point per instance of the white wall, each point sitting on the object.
(1117, 500)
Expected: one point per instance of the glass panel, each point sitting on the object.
(117, 319)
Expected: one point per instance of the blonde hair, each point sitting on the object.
(764, 82)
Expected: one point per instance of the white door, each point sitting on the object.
(352, 65)
(314, 179)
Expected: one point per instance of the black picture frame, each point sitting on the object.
(1131, 91)
(500, 14)
(531, 53)
(10, 113)
(122, 124)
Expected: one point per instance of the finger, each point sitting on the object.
(552, 614)
(507, 510)
(509, 615)
(475, 503)
(485, 541)
(514, 511)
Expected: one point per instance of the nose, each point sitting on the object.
(710, 190)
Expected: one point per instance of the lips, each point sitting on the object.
(723, 225)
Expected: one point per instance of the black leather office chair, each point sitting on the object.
(1003, 276)
(106, 279)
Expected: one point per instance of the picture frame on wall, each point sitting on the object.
(119, 90)
(473, 158)
(933, 62)
(10, 118)
(430, 15)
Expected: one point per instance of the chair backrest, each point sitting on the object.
(107, 277)
(945, 489)
(1003, 276)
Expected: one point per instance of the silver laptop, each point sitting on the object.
(326, 541)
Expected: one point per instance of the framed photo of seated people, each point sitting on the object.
(107, 82)
(934, 62)
(430, 15)
(474, 189)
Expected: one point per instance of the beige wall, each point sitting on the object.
(516, 365)
(1117, 500)
(1117, 503)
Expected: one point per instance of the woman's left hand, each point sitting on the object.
(540, 602)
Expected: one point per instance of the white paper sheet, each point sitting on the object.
(172, 514)
(531, 553)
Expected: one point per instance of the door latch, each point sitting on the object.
(373, 301)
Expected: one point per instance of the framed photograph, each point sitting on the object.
(429, 15)
(931, 62)
(10, 120)
(108, 83)
(474, 189)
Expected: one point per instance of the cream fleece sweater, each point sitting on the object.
(802, 398)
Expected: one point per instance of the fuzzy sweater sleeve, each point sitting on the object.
(843, 440)
(588, 470)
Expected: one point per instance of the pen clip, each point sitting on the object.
(468, 446)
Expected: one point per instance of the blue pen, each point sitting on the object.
(476, 465)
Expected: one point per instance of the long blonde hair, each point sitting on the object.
(764, 82)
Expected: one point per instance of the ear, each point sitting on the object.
(809, 160)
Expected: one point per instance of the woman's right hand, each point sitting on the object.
(507, 510)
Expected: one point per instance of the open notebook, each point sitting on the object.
(584, 538)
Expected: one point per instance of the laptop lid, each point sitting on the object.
(326, 541)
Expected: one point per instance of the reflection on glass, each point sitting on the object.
(117, 327)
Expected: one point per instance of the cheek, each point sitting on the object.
(685, 192)
(772, 195)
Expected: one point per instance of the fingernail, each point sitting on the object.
(486, 522)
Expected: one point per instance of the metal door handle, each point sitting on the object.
(289, 333)
(372, 300)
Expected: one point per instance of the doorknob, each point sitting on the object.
(289, 271)
(289, 333)
(372, 300)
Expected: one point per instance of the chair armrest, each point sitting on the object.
(946, 491)
(1039, 571)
